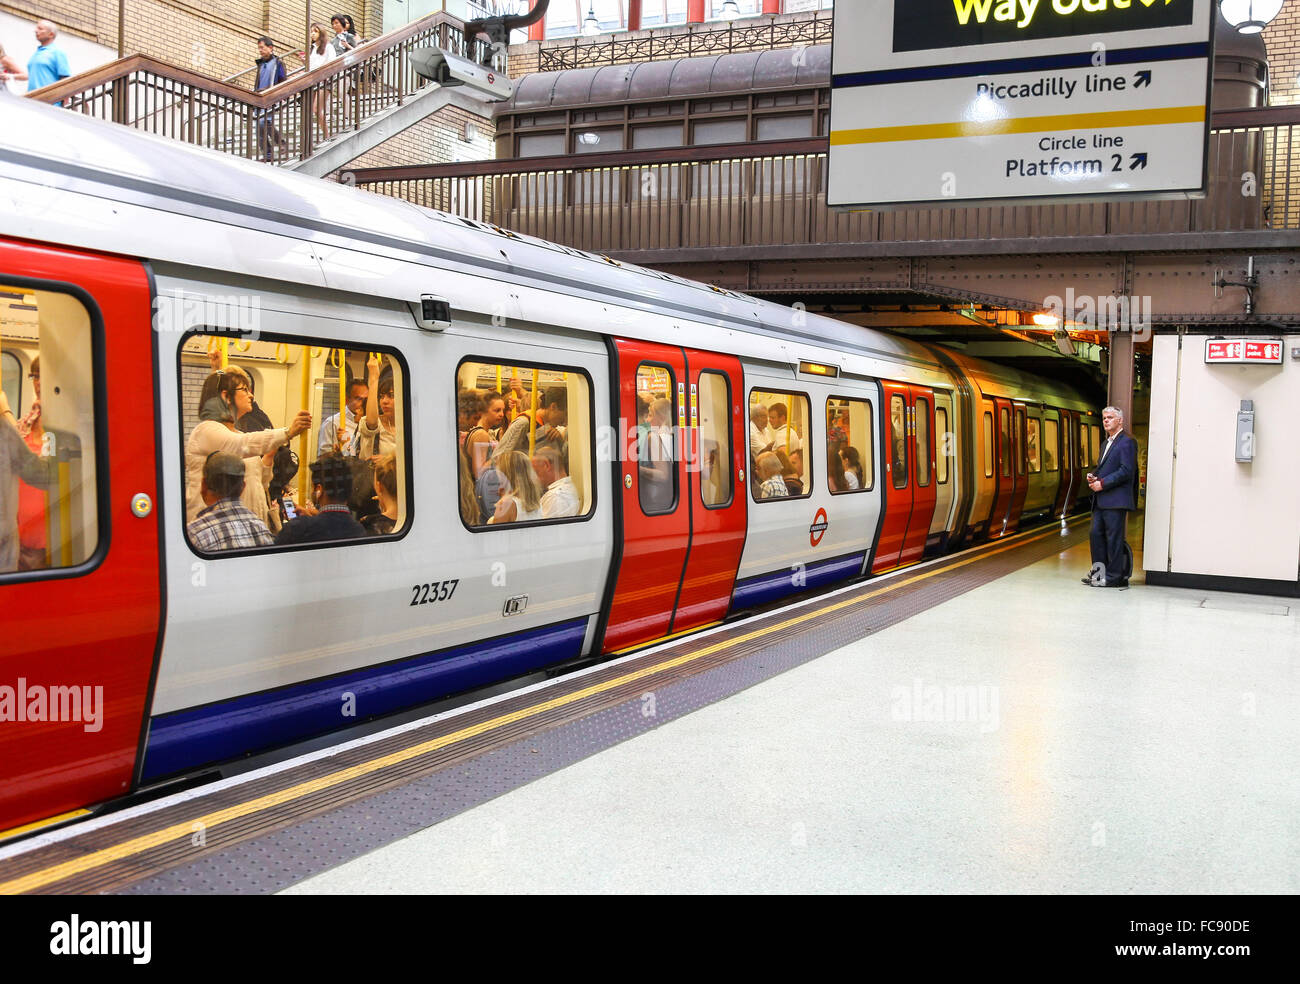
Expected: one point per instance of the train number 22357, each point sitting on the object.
(424, 594)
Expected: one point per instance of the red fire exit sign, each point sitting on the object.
(1250, 351)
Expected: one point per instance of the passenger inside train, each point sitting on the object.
(508, 415)
(49, 483)
(303, 384)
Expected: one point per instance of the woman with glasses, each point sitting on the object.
(228, 395)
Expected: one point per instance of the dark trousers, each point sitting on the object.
(1107, 541)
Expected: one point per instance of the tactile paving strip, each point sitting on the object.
(273, 847)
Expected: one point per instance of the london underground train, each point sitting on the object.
(131, 268)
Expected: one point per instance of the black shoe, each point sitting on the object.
(1115, 584)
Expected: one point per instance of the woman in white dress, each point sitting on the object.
(521, 502)
(320, 53)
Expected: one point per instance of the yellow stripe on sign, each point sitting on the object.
(1027, 124)
(145, 842)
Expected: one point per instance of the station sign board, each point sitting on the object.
(1244, 351)
(961, 102)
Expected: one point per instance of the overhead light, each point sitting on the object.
(471, 132)
(590, 139)
(1250, 16)
(730, 10)
(1046, 320)
(591, 26)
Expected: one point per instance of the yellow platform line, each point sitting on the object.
(138, 845)
(27, 828)
(1026, 124)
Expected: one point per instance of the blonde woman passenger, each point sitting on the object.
(521, 498)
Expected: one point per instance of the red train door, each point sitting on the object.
(924, 493)
(1003, 468)
(898, 481)
(1020, 456)
(81, 598)
(715, 454)
(680, 555)
(1070, 441)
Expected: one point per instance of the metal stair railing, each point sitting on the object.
(278, 124)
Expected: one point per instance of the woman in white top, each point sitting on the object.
(320, 53)
(216, 432)
(521, 502)
(376, 431)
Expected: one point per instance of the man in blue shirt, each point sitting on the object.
(48, 64)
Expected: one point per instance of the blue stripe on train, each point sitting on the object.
(216, 732)
(766, 588)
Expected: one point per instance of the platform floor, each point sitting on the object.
(1030, 735)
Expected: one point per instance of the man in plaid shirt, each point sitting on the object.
(226, 523)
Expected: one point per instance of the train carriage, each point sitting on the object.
(131, 259)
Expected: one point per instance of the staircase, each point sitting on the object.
(370, 95)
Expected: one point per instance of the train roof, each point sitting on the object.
(158, 199)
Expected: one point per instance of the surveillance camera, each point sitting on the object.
(431, 313)
(447, 69)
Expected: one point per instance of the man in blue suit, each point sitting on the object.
(1114, 494)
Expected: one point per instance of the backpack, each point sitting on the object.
(283, 471)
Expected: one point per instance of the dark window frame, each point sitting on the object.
(870, 454)
(807, 451)
(731, 477)
(944, 475)
(907, 450)
(916, 430)
(99, 400)
(590, 514)
(314, 342)
(674, 429)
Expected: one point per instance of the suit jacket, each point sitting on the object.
(1119, 476)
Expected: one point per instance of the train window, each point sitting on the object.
(1021, 451)
(945, 443)
(849, 442)
(1094, 443)
(1083, 446)
(988, 443)
(527, 458)
(655, 445)
(50, 493)
(1034, 431)
(780, 464)
(715, 440)
(1051, 443)
(922, 441)
(898, 441)
(269, 459)
(1004, 446)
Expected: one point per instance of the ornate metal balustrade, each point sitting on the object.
(747, 36)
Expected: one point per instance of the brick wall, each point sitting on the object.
(434, 140)
(1282, 38)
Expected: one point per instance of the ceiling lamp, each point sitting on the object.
(730, 10)
(1250, 16)
(591, 26)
